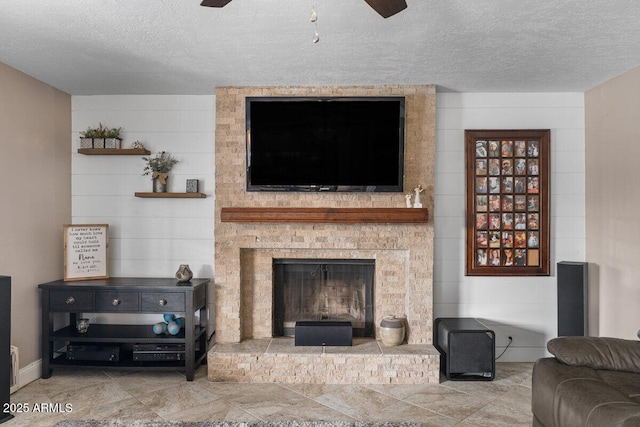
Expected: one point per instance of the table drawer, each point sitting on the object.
(163, 302)
(71, 300)
(115, 301)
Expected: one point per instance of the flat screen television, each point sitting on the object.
(325, 144)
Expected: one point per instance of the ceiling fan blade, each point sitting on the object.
(387, 8)
(215, 3)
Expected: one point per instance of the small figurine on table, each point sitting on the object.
(408, 199)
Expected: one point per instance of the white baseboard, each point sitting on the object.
(29, 374)
(15, 362)
(521, 354)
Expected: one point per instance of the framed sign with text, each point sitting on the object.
(507, 202)
(85, 251)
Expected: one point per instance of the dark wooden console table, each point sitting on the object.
(124, 295)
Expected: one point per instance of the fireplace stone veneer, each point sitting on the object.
(244, 251)
(278, 360)
(394, 290)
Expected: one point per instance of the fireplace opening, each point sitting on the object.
(323, 289)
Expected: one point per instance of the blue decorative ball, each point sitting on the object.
(160, 328)
(173, 328)
(180, 321)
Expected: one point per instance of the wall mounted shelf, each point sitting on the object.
(114, 151)
(326, 215)
(171, 195)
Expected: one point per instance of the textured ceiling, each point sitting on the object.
(88, 47)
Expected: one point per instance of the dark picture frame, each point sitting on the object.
(507, 202)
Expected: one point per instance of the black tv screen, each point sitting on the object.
(325, 144)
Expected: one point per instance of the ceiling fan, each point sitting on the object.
(385, 8)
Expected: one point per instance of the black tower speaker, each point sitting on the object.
(572, 299)
(5, 347)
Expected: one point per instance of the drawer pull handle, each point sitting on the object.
(116, 301)
(70, 300)
(163, 302)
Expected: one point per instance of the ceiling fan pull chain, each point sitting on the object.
(314, 19)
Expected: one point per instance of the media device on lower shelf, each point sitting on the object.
(325, 143)
(158, 352)
(93, 352)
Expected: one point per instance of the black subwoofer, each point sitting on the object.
(467, 349)
(572, 299)
(5, 347)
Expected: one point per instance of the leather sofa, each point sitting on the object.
(591, 381)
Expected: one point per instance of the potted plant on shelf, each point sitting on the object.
(100, 137)
(112, 138)
(93, 137)
(159, 167)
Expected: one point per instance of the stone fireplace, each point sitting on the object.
(246, 249)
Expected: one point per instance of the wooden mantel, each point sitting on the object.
(326, 215)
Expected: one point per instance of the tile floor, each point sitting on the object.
(92, 394)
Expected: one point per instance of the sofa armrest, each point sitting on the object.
(613, 354)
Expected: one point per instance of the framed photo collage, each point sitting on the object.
(507, 202)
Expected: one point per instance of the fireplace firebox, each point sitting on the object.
(323, 289)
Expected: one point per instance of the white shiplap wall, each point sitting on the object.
(524, 308)
(148, 237)
(151, 237)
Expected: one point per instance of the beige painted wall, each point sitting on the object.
(613, 205)
(35, 187)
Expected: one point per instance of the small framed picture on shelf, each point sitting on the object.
(192, 185)
(507, 202)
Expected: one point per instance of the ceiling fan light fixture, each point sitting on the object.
(385, 8)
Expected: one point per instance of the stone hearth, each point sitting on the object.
(244, 253)
(368, 361)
